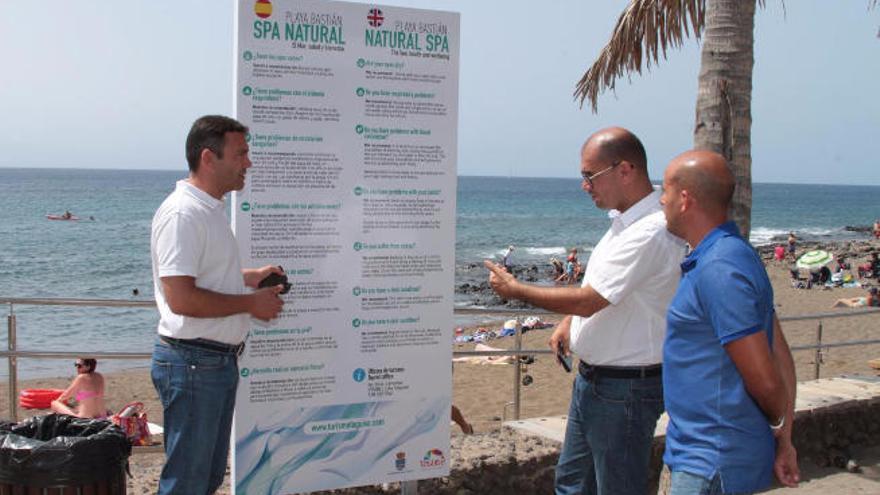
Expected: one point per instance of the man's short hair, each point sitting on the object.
(624, 147)
(209, 132)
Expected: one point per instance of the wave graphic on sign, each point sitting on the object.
(285, 455)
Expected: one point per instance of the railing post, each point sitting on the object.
(517, 371)
(818, 358)
(410, 487)
(13, 366)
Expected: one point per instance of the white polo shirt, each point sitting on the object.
(191, 236)
(635, 267)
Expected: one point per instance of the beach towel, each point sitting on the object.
(485, 359)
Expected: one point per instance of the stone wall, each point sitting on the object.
(505, 462)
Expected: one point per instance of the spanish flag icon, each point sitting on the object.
(263, 8)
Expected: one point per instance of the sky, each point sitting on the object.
(116, 85)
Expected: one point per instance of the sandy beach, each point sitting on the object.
(481, 391)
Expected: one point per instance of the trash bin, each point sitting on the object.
(57, 453)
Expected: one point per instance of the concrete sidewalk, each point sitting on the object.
(834, 480)
(833, 416)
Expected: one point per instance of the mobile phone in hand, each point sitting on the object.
(564, 360)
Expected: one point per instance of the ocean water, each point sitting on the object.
(109, 256)
(543, 217)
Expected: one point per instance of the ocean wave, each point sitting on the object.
(546, 251)
(532, 252)
(765, 235)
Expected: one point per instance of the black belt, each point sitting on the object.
(208, 345)
(588, 371)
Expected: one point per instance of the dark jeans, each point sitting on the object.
(608, 437)
(197, 388)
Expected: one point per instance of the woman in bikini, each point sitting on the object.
(88, 391)
(870, 300)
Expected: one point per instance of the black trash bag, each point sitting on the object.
(57, 449)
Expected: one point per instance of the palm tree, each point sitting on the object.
(647, 28)
(723, 117)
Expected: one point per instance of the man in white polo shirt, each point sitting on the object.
(204, 307)
(616, 323)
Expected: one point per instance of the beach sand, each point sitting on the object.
(482, 391)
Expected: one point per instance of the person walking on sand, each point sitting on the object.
(792, 244)
(728, 375)
(88, 391)
(204, 307)
(615, 323)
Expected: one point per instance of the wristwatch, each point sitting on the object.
(779, 424)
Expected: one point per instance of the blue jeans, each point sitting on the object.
(608, 437)
(197, 389)
(691, 484)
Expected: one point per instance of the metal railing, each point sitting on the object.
(13, 353)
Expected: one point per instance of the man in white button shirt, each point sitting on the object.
(616, 323)
(204, 307)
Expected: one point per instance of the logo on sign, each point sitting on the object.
(359, 375)
(263, 8)
(434, 458)
(400, 461)
(375, 18)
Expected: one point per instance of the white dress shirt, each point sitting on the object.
(635, 266)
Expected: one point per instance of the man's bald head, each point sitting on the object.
(614, 144)
(706, 177)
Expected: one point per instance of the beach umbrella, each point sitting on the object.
(813, 260)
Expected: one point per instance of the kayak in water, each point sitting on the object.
(62, 217)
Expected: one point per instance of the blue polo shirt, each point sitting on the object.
(715, 427)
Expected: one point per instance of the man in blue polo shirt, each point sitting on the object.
(728, 376)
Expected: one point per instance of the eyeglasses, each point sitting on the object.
(78, 365)
(589, 178)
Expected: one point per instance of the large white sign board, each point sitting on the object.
(353, 113)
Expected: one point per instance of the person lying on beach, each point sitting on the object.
(88, 391)
(870, 300)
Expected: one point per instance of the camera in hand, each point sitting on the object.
(275, 279)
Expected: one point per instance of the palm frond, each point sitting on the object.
(645, 30)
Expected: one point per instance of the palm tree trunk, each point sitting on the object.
(724, 96)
